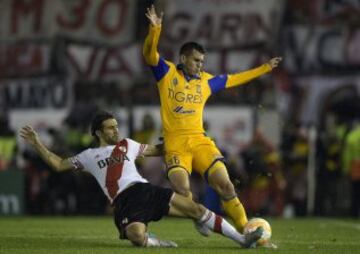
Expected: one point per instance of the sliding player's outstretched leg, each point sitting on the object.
(219, 225)
(179, 181)
(186, 207)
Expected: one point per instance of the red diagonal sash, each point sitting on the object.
(115, 167)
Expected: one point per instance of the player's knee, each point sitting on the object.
(183, 191)
(136, 236)
(193, 209)
(198, 211)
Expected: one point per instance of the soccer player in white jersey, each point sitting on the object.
(135, 201)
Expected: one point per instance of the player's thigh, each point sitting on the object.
(205, 155)
(177, 153)
(141, 203)
(178, 166)
(178, 160)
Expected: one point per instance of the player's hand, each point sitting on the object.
(154, 19)
(29, 135)
(274, 62)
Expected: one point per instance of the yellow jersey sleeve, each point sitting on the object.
(244, 77)
(220, 82)
(150, 51)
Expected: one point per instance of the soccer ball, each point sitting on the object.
(253, 224)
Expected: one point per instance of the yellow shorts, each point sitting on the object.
(196, 152)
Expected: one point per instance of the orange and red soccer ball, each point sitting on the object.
(253, 224)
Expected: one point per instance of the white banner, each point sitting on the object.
(222, 23)
(106, 21)
(36, 93)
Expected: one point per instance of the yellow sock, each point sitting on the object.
(235, 210)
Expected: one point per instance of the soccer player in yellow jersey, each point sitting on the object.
(184, 90)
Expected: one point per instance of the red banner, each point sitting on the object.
(105, 21)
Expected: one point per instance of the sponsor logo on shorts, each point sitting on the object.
(125, 220)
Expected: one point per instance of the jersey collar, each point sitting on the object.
(188, 77)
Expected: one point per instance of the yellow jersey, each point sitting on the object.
(183, 97)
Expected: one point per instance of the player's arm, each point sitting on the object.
(150, 51)
(53, 160)
(220, 82)
(154, 150)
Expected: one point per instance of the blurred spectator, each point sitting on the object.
(329, 172)
(151, 168)
(37, 175)
(148, 133)
(76, 134)
(295, 150)
(7, 143)
(352, 166)
(264, 193)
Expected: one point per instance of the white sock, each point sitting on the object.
(219, 225)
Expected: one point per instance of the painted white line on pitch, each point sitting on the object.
(347, 225)
(55, 237)
(338, 243)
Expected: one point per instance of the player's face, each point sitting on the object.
(193, 63)
(110, 131)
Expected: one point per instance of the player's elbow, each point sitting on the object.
(62, 165)
(149, 59)
(146, 52)
(150, 55)
(59, 168)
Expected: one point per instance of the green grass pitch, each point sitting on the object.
(98, 235)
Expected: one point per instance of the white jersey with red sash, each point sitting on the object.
(113, 166)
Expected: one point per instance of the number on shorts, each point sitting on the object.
(173, 161)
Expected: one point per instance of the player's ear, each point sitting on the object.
(182, 59)
(98, 133)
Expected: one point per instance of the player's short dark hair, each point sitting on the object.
(188, 47)
(97, 121)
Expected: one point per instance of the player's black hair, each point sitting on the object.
(188, 47)
(97, 121)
